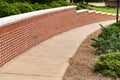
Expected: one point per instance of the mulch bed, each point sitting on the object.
(80, 65)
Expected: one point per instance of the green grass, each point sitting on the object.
(104, 9)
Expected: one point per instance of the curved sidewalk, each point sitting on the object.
(48, 60)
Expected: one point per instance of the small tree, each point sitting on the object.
(86, 1)
(78, 0)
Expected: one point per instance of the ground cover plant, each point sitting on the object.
(108, 64)
(116, 26)
(108, 42)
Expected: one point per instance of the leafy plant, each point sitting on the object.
(108, 64)
(14, 1)
(37, 6)
(81, 6)
(64, 3)
(54, 4)
(23, 7)
(94, 0)
(43, 1)
(108, 41)
(116, 26)
(8, 9)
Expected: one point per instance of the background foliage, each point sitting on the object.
(108, 40)
(108, 64)
(12, 7)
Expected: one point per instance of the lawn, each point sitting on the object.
(104, 9)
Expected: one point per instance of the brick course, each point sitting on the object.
(17, 37)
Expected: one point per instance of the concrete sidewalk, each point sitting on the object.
(97, 4)
(48, 60)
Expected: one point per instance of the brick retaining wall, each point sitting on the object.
(19, 33)
(111, 3)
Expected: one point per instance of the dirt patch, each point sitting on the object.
(80, 65)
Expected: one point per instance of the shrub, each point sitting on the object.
(54, 4)
(23, 7)
(37, 6)
(31, 1)
(14, 1)
(3, 3)
(94, 0)
(81, 6)
(8, 9)
(45, 6)
(59, 3)
(40, 1)
(108, 64)
(108, 41)
(64, 3)
(116, 26)
(43, 1)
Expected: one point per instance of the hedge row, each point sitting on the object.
(108, 65)
(95, 0)
(31, 1)
(7, 9)
(88, 0)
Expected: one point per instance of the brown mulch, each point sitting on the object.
(80, 65)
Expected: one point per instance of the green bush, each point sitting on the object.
(59, 3)
(14, 1)
(108, 41)
(8, 9)
(40, 1)
(94, 0)
(108, 64)
(32, 1)
(116, 26)
(64, 3)
(37, 6)
(54, 4)
(3, 3)
(23, 7)
(81, 6)
(45, 6)
(43, 1)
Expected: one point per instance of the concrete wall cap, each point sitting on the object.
(90, 11)
(104, 13)
(19, 17)
(83, 10)
(97, 12)
(114, 14)
(109, 13)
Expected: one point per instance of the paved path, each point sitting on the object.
(48, 60)
(98, 4)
